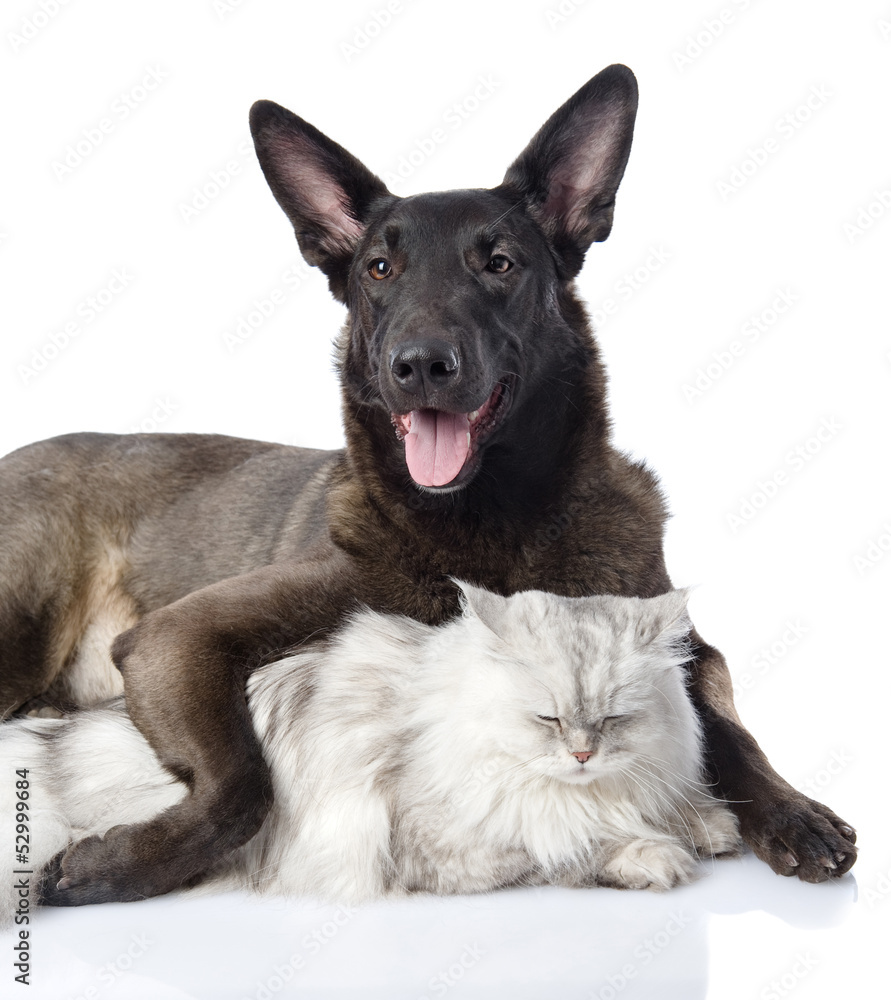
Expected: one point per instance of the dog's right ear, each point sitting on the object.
(569, 173)
(324, 190)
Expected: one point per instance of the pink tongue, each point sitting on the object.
(436, 446)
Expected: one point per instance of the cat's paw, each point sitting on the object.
(797, 836)
(649, 864)
(715, 832)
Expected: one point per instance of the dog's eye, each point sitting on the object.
(499, 264)
(380, 268)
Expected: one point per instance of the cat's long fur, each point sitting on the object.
(409, 758)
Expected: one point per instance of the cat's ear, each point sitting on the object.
(569, 173)
(664, 619)
(491, 609)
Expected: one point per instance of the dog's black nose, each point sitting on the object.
(424, 366)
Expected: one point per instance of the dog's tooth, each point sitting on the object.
(473, 416)
(468, 439)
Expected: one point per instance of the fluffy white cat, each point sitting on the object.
(536, 739)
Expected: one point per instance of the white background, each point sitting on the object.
(805, 571)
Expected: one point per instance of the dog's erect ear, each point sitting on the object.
(569, 173)
(324, 190)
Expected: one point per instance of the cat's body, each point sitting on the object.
(536, 739)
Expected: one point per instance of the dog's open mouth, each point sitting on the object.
(439, 446)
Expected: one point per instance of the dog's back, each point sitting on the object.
(98, 529)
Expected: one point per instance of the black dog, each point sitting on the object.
(475, 419)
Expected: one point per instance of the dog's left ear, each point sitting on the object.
(569, 173)
(324, 190)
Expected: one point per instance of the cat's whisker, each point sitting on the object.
(524, 763)
(646, 788)
(668, 702)
(698, 786)
(666, 806)
(703, 824)
(660, 803)
(258, 878)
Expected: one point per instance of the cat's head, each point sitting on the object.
(583, 688)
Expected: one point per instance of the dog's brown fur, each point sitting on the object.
(227, 553)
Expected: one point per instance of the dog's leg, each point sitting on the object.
(794, 834)
(184, 674)
(61, 563)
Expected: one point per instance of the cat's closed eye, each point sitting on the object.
(548, 718)
(616, 721)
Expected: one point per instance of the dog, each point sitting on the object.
(475, 419)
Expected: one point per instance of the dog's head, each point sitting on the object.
(449, 292)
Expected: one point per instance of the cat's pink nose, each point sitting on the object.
(581, 755)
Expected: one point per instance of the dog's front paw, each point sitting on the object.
(797, 836)
(98, 870)
(649, 864)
